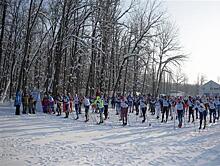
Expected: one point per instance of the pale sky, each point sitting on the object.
(199, 29)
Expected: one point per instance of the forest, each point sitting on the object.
(84, 45)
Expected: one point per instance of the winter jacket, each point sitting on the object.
(99, 102)
(179, 106)
(86, 102)
(76, 100)
(17, 99)
(124, 104)
(211, 105)
(165, 103)
(25, 100)
(143, 103)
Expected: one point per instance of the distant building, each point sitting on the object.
(210, 88)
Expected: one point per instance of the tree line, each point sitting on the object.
(83, 45)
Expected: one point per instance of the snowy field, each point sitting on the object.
(50, 140)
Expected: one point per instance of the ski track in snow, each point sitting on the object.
(48, 140)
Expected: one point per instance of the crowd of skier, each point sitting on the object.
(163, 107)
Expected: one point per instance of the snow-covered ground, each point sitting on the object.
(50, 140)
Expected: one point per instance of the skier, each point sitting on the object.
(80, 103)
(58, 101)
(76, 102)
(17, 103)
(118, 107)
(158, 108)
(173, 108)
(86, 105)
(179, 108)
(165, 109)
(143, 106)
(25, 103)
(136, 104)
(66, 104)
(45, 103)
(124, 110)
(71, 102)
(106, 101)
(130, 102)
(51, 104)
(191, 111)
(202, 114)
(113, 101)
(31, 105)
(152, 105)
(217, 100)
(212, 111)
(100, 105)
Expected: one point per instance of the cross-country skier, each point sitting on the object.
(76, 102)
(100, 104)
(51, 104)
(143, 106)
(202, 114)
(66, 104)
(17, 103)
(106, 101)
(158, 108)
(86, 105)
(130, 102)
(152, 105)
(179, 108)
(118, 105)
(136, 104)
(31, 105)
(217, 103)
(191, 111)
(58, 101)
(113, 101)
(25, 103)
(124, 110)
(45, 103)
(212, 111)
(173, 108)
(165, 109)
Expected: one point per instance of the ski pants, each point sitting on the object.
(17, 111)
(137, 109)
(58, 109)
(165, 110)
(124, 115)
(180, 116)
(25, 109)
(144, 109)
(157, 111)
(152, 109)
(87, 112)
(212, 113)
(77, 110)
(101, 110)
(191, 112)
(202, 116)
(106, 111)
